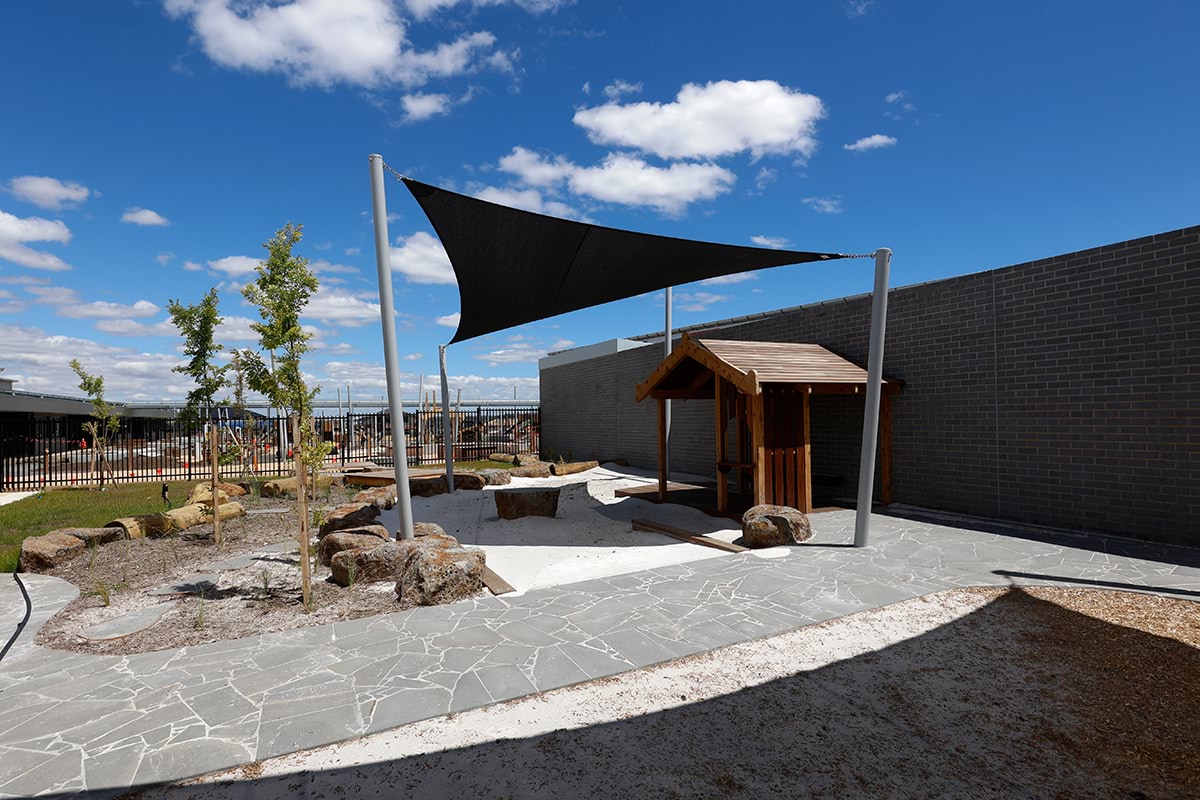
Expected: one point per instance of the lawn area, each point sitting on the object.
(474, 466)
(78, 508)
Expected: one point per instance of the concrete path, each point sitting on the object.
(71, 722)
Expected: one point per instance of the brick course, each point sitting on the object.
(1064, 391)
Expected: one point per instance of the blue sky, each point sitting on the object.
(148, 148)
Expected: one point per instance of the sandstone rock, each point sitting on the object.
(348, 515)
(94, 535)
(353, 539)
(573, 467)
(441, 575)
(503, 458)
(427, 529)
(527, 502)
(384, 562)
(526, 459)
(427, 485)
(382, 497)
(231, 489)
(539, 470)
(770, 526)
(278, 487)
(202, 494)
(41, 553)
(496, 477)
(471, 481)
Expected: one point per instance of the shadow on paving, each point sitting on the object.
(1021, 698)
(1119, 546)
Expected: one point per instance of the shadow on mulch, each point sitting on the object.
(1023, 697)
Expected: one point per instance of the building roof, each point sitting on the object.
(688, 372)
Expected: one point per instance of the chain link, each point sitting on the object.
(399, 177)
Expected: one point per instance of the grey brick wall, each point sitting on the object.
(1064, 392)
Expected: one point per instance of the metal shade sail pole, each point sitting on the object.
(383, 264)
(666, 469)
(447, 434)
(866, 467)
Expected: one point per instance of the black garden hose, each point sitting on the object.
(21, 625)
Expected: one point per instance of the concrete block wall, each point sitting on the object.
(1065, 391)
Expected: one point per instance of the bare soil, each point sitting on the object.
(115, 578)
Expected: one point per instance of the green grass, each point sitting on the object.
(470, 465)
(77, 508)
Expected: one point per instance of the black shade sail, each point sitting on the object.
(515, 266)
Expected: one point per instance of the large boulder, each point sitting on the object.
(348, 515)
(427, 529)
(201, 494)
(278, 487)
(770, 526)
(97, 536)
(352, 539)
(573, 467)
(527, 502)
(471, 481)
(526, 459)
(496, 477)
(41, 553)
(503, 458)
(231, 489)
(539, 470)
(441, 575)
(427, 485)
(383, 562)
(382, 497)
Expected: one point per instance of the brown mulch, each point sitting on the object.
(262, 598)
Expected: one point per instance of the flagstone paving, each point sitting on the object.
(71, 722)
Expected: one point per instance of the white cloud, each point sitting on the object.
(16, 231)
(619, 178)
(421, 9)
(48, 193)
(164, 258)
(192, 266)
(144, 216)
(233, 266)
(411, 357)
(450, 320)
(717, 119)
(353, 251)
(101, 309)
(235, 330)
(858, 8)
(326, 42)
(824, 205)
(340, 307)
(420, 258)
(128, 327)
(40, 362)
(22, 280)
(695, 301)
(323, 267)
(521, 350)
(875, 141)
(725, 280)
(774, 242)
(765, 177)
(617, 88)
(896, 96)
(529, 200)
(418, 107)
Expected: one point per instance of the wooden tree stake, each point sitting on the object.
(302, 509)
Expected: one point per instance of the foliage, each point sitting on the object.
(106, 421)
(281, 292)
(197, 324)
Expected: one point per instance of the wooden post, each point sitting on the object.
(719, 398)
(215, 498)
(662, 449)
(302, 510)
(758, 449)
(885, 447)
(805, 459)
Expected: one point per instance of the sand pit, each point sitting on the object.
(589, 538)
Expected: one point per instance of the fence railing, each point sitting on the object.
(57, 452)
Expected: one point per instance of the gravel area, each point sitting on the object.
(981, 693)
(115, 578)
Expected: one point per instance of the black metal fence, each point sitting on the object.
(58, 452)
